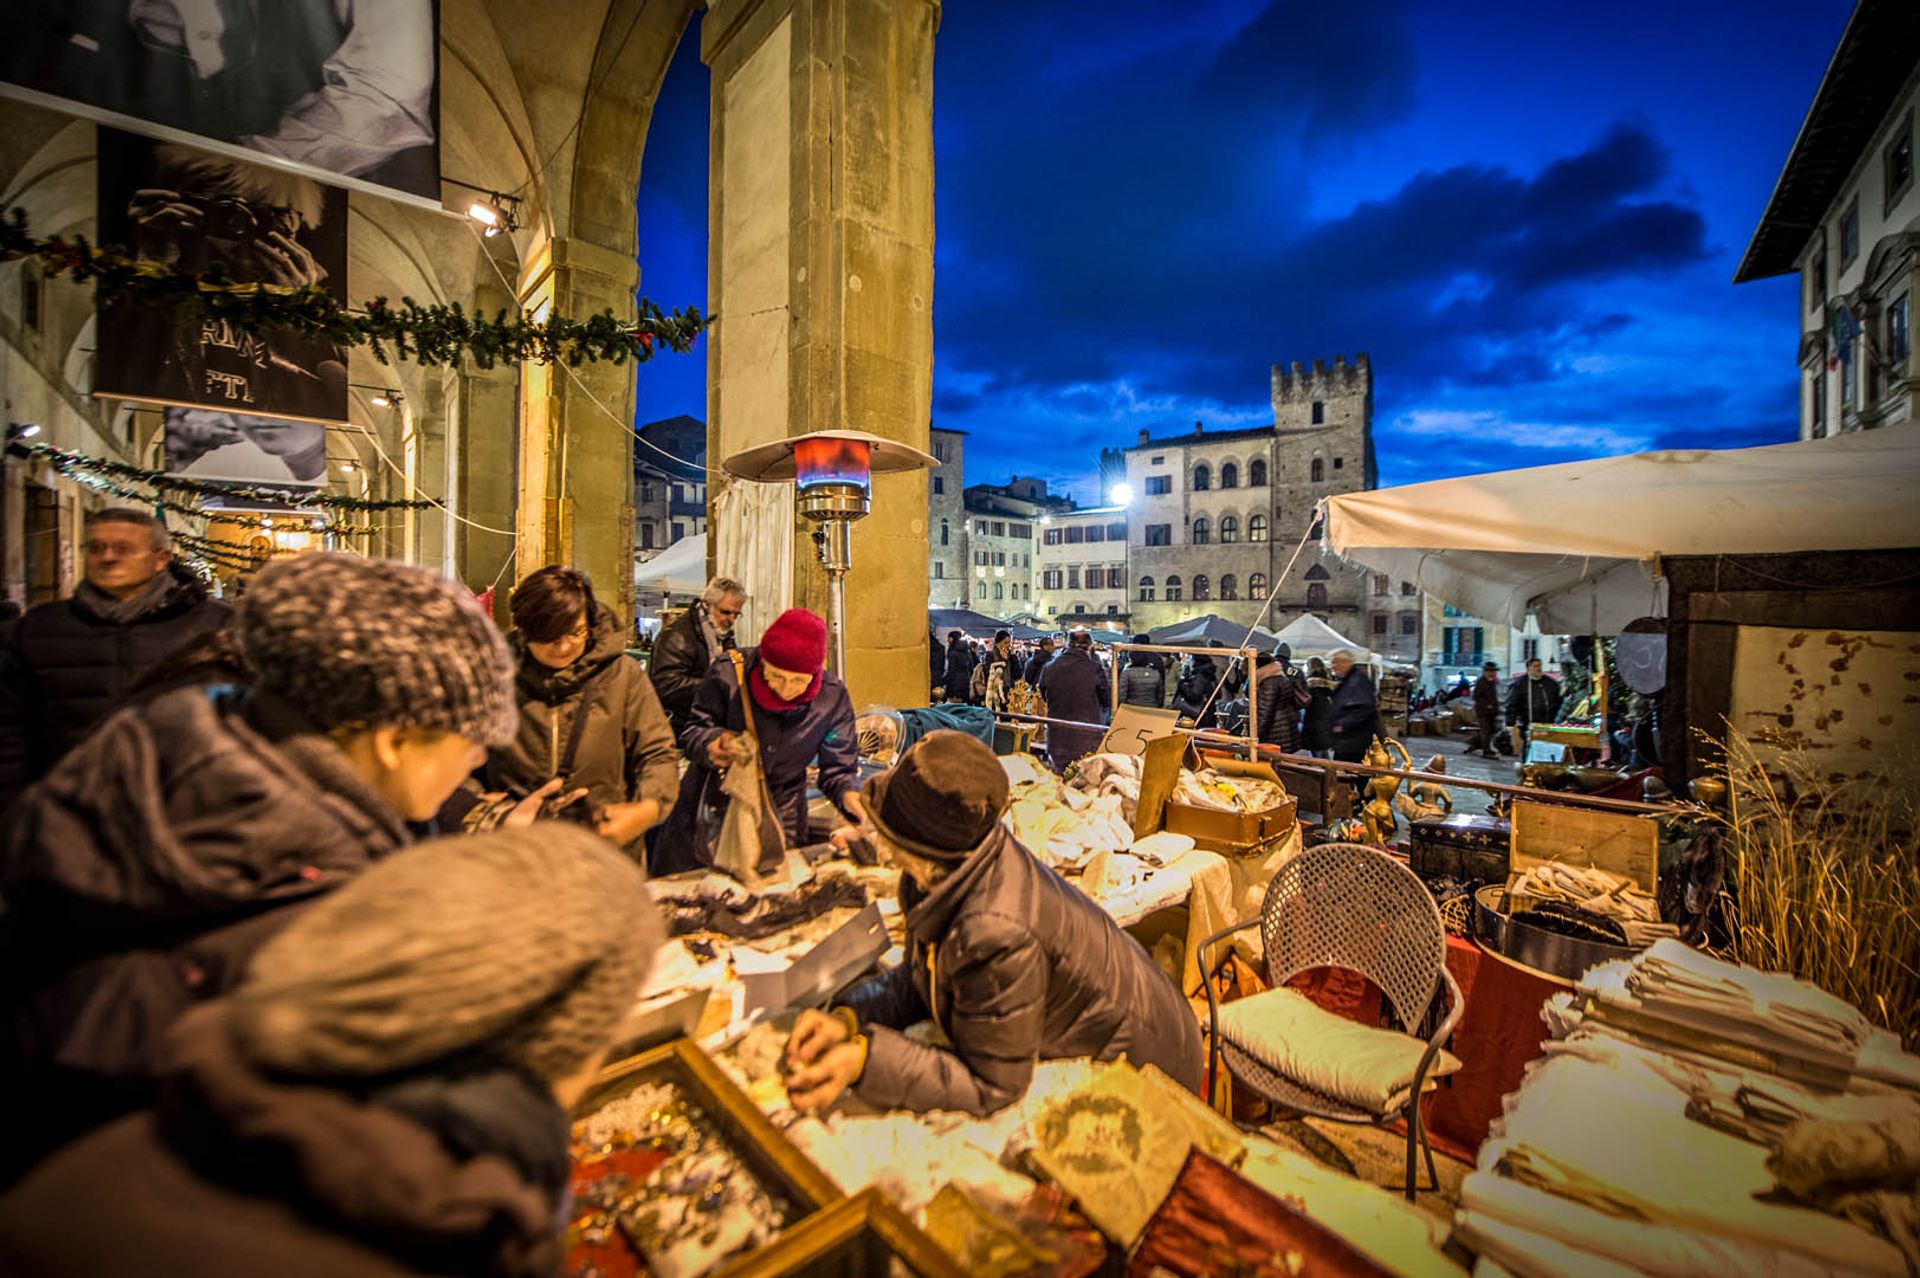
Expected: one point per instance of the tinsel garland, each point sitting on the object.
(218, 554)
(85, 475)
(436, 334)
(68, 462)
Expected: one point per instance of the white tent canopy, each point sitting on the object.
(680, 569)
(1578, 544)
(1308, 636)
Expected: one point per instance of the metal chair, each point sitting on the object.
(1348, 906)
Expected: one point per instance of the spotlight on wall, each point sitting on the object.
(491, 210)
(384, 398)
(17, 431)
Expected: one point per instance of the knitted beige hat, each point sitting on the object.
(346, 639)
(524, 947)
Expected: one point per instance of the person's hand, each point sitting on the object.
(278, 258)
(856, 822)
(527, 811)
(816, 1086)
(622, 823)
(720, 749)
(814, 1034)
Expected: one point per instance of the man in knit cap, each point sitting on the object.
(1012, 963)
(385, 1091)
(143, 871)
(801, 715)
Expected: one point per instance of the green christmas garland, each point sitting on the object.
(429, 335)
(87, 470)
(68, 462)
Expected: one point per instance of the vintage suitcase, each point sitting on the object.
(1462, 847)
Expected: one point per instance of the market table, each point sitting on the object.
(1499, 1034)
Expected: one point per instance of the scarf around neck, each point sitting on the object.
(122, 611)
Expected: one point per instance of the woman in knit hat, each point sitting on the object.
(802, 716)
(589, 717)
(144, 869)
(384, 1093)
(1010, 961)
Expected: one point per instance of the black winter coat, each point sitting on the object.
(1486, 698)
(1316, 725)
(1193, 690)
(679, 664)
(959, 675)
(936, 664)
(1355, 715)
(140, 875)
(1142, 686)
(1533, 701)
(820, 731)
(1015, 966)
(1281, 693)
(1035, 664)
(1075, 687)
(67, 665)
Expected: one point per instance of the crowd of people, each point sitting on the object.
(320, 909)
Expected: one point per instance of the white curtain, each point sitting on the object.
(753, 543)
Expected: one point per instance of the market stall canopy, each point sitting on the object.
(1578, 544)
(977, 625)
(1309, 636)
(680, 569)
(1209, 628)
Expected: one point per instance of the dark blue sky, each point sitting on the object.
(1529, 216)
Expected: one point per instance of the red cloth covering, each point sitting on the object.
(1498, 1035)
(1216, 1221)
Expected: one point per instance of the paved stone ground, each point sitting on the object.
(1467, 802)
(1375, 1156)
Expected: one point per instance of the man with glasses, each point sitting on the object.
(685, 649)
(68, 662)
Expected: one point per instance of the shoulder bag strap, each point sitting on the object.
(563, 766)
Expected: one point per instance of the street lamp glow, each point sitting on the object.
(1120, 494)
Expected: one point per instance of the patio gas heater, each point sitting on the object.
(832, 472)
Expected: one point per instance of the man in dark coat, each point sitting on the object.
(1486, 711)
(685, 650)
(1038, 662)
(1076, 687)
(936, 664)
(1012, 963)
(1280, 694)
(1534, 698)
(1355, 709)
(802, 715)
(960, 664)
(69, 661)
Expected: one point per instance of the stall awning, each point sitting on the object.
(1308, 636)
(1577, 544)
(680, 569)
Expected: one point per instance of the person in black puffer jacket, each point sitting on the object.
(1316, 725)
(1013, 964)
(1194, 695)
(1141, 683)
(1280, 694)
(68, 662)
(687, 649)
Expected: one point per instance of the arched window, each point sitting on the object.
(1229, 476)
(1202, 531)
(1257, 586)
(1202, 589)
(943, 532)
(1146, 590)
(979, 590)
(1256, 527)
(1316, 595)
(1229, 528)
(1257, 473)
(999, 591)
(1202, 478)
(1229, 587)
(1319, 471)
(1316, 573)
(1173, 590)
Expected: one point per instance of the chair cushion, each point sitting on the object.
(1365, 1066)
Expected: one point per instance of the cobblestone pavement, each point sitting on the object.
(1467, 802)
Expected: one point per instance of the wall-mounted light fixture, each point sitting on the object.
(492, 210)
(382, 396)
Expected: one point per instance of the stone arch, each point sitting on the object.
(1202, 477)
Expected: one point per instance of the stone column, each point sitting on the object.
(576, 455)
(821, 271)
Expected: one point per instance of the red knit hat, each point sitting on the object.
(796, 641)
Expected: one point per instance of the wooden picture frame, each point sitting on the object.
(858, 1237)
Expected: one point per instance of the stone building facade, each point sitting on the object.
(948, 581)
(1002, 531)
(1845, 214)
(1080, 569)
(1217, 515)
(669, 484)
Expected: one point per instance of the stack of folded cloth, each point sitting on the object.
(1650, 1137)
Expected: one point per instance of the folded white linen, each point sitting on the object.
(1526, 1254)
(1364, 1066)
(1671, 974)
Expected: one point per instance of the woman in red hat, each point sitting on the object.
(801, 715)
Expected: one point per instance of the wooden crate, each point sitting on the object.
(1622, 843)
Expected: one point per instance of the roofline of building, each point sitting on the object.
(1871, 64)
(1207, 437)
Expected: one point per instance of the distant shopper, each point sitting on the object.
(936, 663)
(1010, 962)
(1280, 695)
(1355, 708)
(1038, 662)
(1195, 696)
(1486, 711)
(146, 868)
(589, 716)
(1075, 687)
(70, 661)
(687, 649)
(1316, 724)
(1532, 699)
(384, 1093)
(1141, 683)
(960, 664)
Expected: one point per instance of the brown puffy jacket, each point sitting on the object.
(1015, 966)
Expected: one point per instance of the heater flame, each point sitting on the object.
(833, 461)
